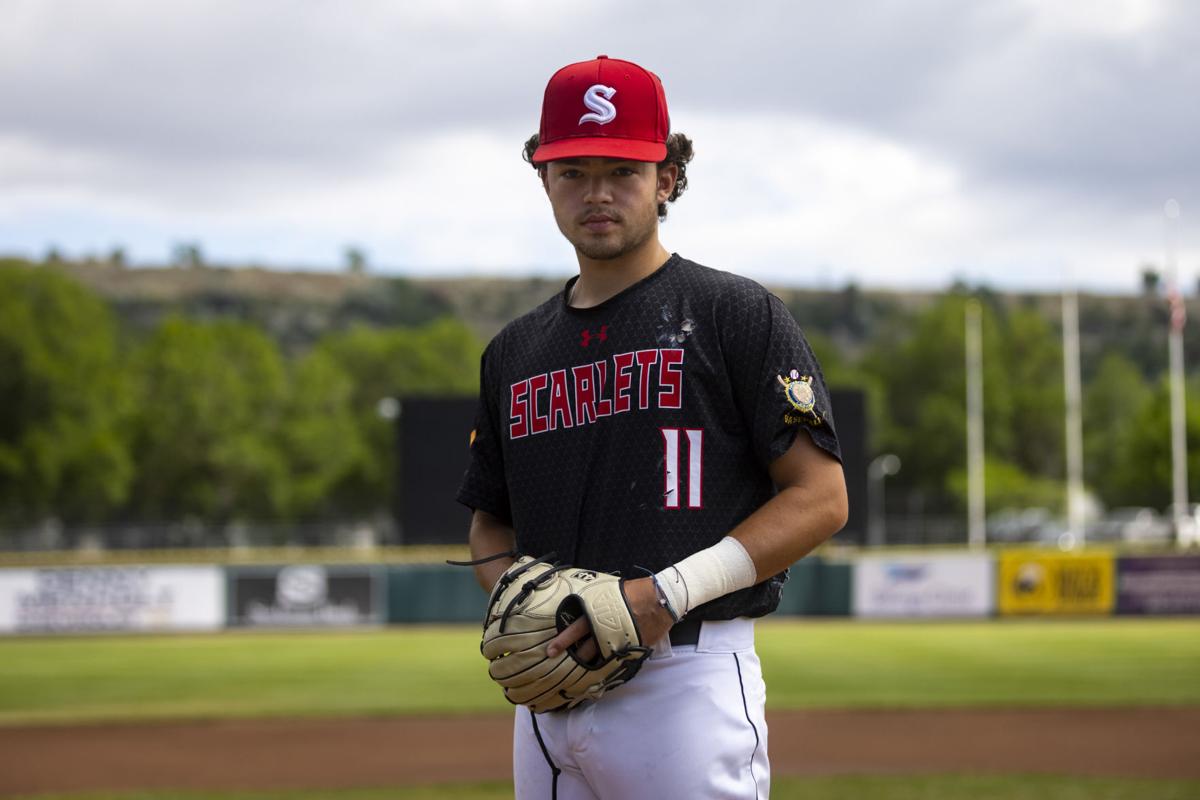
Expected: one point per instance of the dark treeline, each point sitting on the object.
(225, 395)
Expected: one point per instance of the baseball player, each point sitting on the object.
(658, 420)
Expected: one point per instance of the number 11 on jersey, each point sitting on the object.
(695, 450)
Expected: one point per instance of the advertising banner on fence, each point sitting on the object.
(1158, 585)
(131, 598)
(951, 585)
(306, 595)
(1056, 583)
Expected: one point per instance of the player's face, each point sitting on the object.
(604, 206)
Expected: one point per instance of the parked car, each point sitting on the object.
(1132, 524)
(1018, 524)
(1189, 529)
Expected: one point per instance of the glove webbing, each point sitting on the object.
(529, 586)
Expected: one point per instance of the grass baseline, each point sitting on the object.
(807, 664)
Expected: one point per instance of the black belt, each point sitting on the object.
(686, 631)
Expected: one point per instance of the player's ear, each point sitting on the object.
(668, 174)
(542, 173)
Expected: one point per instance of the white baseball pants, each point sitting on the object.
(689, 725)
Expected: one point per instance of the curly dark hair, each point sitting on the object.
(679, 153)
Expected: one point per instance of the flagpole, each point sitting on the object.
(1178, 400)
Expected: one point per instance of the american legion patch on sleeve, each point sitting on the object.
(798, 390)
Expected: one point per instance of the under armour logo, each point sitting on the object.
(598, 99)
(586, 337)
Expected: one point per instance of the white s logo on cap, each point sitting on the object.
(598, 98)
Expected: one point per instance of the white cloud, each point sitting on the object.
(1102, 18)
(904, 143)
(791, 198)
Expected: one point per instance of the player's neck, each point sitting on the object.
(600, 279)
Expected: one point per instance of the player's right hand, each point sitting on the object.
(579, 631)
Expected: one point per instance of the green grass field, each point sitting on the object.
(920, 787)
(808, 664)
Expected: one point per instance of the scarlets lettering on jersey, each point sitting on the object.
(585, 393)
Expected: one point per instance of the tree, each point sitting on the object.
(187, 254)
(1113, 402)
(1141, 472)
(920, 367)
(1008, 486)
(1151, 280)
(64, 401)
(439, 358)
(212, 399)
(1135, 327)
(1033, 379)
(390, 302)
(319, 437)
(356, 261)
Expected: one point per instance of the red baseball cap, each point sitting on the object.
(604, 107)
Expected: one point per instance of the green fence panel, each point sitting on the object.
(801, 593)
(434, 593)
(817, 588)
(835, 589)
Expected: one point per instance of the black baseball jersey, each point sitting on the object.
(637, 432)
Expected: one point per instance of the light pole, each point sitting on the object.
(1074, 425)
(879, 468)
(1179, 477)
(388, 408)
(976, 532)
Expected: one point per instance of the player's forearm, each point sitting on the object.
(809, 508)
(489, 536)
(778, 534)
(791, 525)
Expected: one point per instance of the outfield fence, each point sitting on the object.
(286, 588)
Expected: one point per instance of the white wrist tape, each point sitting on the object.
(713, 572)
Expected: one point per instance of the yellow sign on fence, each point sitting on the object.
(1056, 583)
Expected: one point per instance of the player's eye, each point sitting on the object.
(623, 172)
(570, 173)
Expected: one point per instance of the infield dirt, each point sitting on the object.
(365, 752)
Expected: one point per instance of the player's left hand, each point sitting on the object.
(652, 620)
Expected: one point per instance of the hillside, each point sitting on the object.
(297, 307)
(308, 301)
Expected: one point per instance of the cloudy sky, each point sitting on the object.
(897, 144)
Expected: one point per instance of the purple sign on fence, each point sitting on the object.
(1158, 585)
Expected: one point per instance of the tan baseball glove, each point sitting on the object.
(533, 601)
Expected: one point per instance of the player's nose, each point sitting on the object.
(599, 190)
